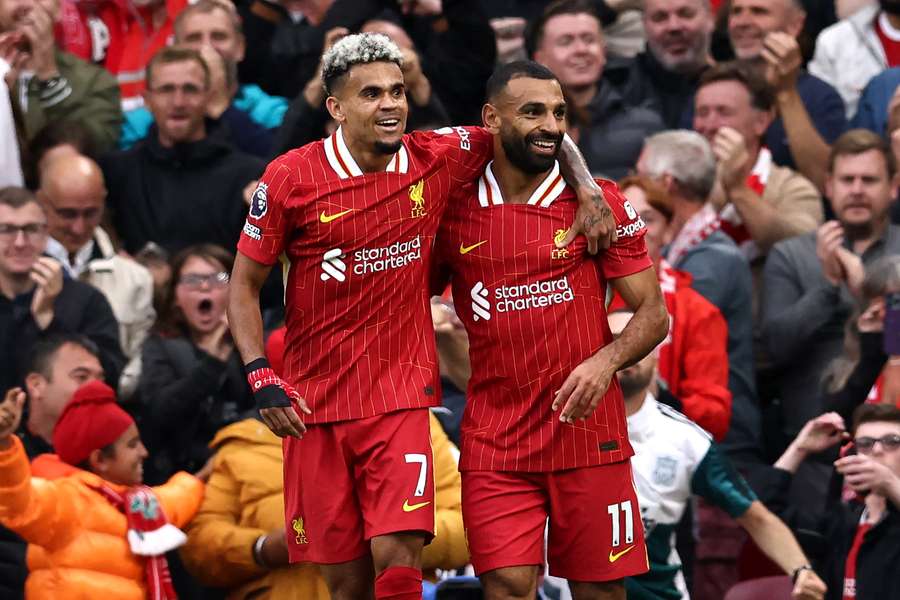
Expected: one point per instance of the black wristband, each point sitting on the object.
(796, 572)
(258, 363)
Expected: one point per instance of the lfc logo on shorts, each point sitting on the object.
(299, 531)
(417, 199)
(559, 253)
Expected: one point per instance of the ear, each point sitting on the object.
(795, 22)
(242, 48)
(35, 384)
(761, 124)
(335, 109)
(490, 117)
(97, 462)
(829, 186)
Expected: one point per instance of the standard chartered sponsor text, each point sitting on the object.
(533, 295)
(395, 256)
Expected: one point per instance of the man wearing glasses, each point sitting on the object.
(72, 193)
(861, 548)
(35, 298)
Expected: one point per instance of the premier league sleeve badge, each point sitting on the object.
(259, 203)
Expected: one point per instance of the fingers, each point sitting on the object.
(564, 392)
(574, 407)
(283, 421)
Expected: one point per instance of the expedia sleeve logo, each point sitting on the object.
(259, 203)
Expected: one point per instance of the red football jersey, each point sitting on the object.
(359, 337)
(533, 313)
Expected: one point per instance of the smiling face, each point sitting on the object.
(572, 47)
(370, 105)
(751, 20)
(202, 293)
(729, 104)
(530, 117)
(124, 464)
(678, 33)
(23, 237)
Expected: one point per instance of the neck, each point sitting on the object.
(15, 285)
(368, 159)
(515, 184)
(682, 212)
(582, 96)
(635, 402)
(167, 142)
(862, 243)
(43, 428)
(876, 505)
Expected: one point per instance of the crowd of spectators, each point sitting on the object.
(757, 139)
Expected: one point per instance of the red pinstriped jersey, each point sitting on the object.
(533, 313)
(359, 338)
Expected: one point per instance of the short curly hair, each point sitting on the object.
(358, 49)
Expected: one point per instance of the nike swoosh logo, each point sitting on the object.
(407, 507)
(466, 249)
(614, 557)
(329, 218)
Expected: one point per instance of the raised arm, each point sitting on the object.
(594, 218)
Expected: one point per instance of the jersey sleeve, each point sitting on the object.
(266, 228)
(466, 149)
(716, 481)
(628, 255)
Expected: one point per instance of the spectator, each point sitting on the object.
(879, 105)
(182, 185)
(862, 537)
(567, 39)
(11, 57)
(122, 37)
(210, 23)
(806, 299)
(856, 48)
(192, 382)
(59, 137)
(762, 202)
(37, 300)
(693, 359)
(453, 363)
(664, 76)
(51, 84)
(72, 193)
(95, 531)
(236, 541)
(59, 365)
(683, 162)
(674, 459)
(810, 113)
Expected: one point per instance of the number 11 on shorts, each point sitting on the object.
(616, 513)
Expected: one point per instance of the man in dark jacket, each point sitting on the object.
(568, 40)
(182, 185)
(861, 545)
(36, 300)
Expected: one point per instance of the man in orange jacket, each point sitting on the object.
(93, 530)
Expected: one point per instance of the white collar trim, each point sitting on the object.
(550, 189)
(343, 163)
(889, 31)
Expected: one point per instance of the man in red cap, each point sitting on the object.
(98, 530)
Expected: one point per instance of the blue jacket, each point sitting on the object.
(873, 105)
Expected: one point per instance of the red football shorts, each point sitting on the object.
(347, 482)
(596, 532)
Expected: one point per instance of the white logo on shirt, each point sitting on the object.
(481, 306)
(332, 265)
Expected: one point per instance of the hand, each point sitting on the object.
(872, 319)
(594, 219)
(808, 586)
(510, 35)
(863, 474)
(416, 83)
(11, 413)
(830, 237)
(206, 470)
(623, 5)
(733, 158)
(314, 93)
(853, 270)
(783, 60)
(583, 389)
(46, 273)
(38, 31)
(12, 52)
(820, 433)
(274, 551)
(422, 8)
(275, 399)
(443, 317)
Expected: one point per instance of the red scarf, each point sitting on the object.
(696, 230)
(850, 566)
(149, 534)
(732, 224)
(668, 284)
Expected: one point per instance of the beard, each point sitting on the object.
(519, 154)
(634, 381)
(388, 147)
(890, 6)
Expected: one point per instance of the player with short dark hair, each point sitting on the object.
(355, 215)
(544, 433)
